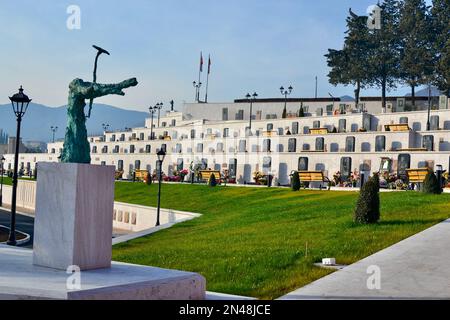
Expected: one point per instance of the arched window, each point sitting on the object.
(292, 145)
(350, 144)
(294, 127)
(404, 163)
(346, 168)
(380, 143)
(303, 164)
(320, 144)
(266, 145)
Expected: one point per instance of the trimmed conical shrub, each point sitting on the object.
(301, 112)
(431, 184)
(148, 179)
(368, 205)
(295, 181)
(212, 181)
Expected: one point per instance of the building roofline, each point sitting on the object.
(281, 100)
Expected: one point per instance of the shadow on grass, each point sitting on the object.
(396, 223)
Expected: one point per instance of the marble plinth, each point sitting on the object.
(74, 208)
(21, 279)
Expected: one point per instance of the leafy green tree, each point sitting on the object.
(349, 65)
(441, 44)
(384, 54)
(295, 181)
(415, 32)
(431, 184)
(368, 205)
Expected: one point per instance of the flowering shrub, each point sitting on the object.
(172, 179)
(337, 179)
(354, 178)
(155, 176)
(258, 176)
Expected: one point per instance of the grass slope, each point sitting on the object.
(251, 241)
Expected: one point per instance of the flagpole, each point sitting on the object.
(199, 76)
(207, 79)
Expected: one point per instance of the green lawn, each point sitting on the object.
(251, 241)
(8, 181)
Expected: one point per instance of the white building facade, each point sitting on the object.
(329, 139)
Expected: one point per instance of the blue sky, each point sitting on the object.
(255, 45)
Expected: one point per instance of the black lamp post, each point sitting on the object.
(251, 99)
(429, 108)
(20, 103)
(152, 111)
(158, 107)
(161, 155)
(2, 162)
(286, 93)
(53, 129)
(197, 87)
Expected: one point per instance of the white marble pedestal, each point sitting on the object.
(73, 223)
(20, 279)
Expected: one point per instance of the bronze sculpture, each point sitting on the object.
(76, 145)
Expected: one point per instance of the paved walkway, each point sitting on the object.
(415, 268)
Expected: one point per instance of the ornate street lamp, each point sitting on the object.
(152, 111)
(159, 107)
(286, 93)
(197, 87)
(53, 129)
(2, 163)
(251, 99)
(161, 155)
(20, 102)
(105, 126)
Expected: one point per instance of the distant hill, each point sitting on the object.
(347, 99)
(424, 92)
(39, 118)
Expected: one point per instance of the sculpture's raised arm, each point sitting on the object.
(91, 90)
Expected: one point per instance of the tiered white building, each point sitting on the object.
(332, 136)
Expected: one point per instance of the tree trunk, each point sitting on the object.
(413, 96)
(357, 92)
(383, 93)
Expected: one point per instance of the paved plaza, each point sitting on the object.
(416, 268)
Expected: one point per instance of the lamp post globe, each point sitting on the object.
(285, 93)
(251, 99)
(19, 102)
(53, 129)
(161, 154)
(159, 107)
